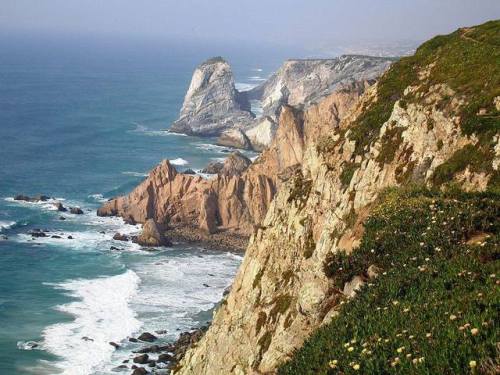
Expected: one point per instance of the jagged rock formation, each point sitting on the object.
(213, 107)
(304, 82)
(257, 137)
(152, 235)
(421, 123)
(212, 103)
(237, 198)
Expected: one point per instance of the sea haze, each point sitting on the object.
(82, 121)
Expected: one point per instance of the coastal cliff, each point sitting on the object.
(213, 107)
(234, 203)
(303, 82)
(431, 120)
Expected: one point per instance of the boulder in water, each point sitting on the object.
(141, 359)
(152, 235)
(120, 237)
(76, 210)
(146, 336)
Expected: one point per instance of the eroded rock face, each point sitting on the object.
(306, 82)
(235, 164)
(152, 235)
(238, 198)
(213, 106)
(212, 103)
(234, 138)
(281, 293)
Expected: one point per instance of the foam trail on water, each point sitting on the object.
(6, 225)
(146, 131)
(101, 314)
(98, 198)
(244, 86)
(135, 174)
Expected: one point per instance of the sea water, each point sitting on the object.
(83, 121)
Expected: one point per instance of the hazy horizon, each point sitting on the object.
(317, 27)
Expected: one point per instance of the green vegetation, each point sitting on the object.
(477, 158)
(281, 305)
(347, 172)
(391, 141)
(434, 307)
(466, 61)
(300, 189)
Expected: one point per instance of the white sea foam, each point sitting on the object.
(101, 314)
(98, 198)
(257, 69)
(219, 159)
(179, 161)
(256, 78)
(28, 345)
(240, 86)
(146, 131)
(6, 225)
(208, 147)
(173, 290)
(135, 174)
(96, 233)
(47, 205)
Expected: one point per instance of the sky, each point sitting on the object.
(305, 23)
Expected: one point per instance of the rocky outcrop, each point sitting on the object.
(152, 235)
(305, 82)
(237, 199)
(262, 133)
(410, 132)
(213, 106)
(234, 138)
(212, 103)
(235, 164)
(256, 137)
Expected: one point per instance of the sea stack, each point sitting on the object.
(212, 104)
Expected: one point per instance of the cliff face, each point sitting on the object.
(213, 106)
(305, 82)
(232, 201)
(212, 103)
(429, 120)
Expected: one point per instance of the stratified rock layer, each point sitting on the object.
(212, 103)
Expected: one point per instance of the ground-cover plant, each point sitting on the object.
(434, 307)
(465, 60)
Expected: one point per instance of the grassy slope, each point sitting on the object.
(420, 315)
(468, 62)
(436, 290)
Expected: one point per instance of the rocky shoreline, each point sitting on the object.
(158, 358)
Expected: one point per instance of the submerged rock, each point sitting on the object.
(36, 198)
(76, 211)
(114, 345)
(146, 336)
(141, 359)
(59, 206)
(120, 237)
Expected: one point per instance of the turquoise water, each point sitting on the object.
(82, 122)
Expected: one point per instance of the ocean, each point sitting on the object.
(82, 120)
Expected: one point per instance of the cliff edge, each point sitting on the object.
(432, 119)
